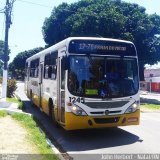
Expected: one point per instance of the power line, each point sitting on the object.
(38, 4)
(42, 5)
(2, 10)
(11, 9)
(67, 10)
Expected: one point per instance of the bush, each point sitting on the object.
(11, 87)
(0, 80)
(3, 113)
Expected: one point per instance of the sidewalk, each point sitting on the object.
(11, 133)
(9, 106)
(13, 138)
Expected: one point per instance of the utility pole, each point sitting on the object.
(8, 11)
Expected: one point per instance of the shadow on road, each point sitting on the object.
(100, 138)
(81, 140)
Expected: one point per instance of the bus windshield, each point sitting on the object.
(102, 77)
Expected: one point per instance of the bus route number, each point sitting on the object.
(74, 100)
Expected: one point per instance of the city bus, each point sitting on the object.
(86, 82)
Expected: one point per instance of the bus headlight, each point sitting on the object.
(77, 110)
(132, 108)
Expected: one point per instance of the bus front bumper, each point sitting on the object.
(73, 122)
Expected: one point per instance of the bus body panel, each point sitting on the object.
(74, 122)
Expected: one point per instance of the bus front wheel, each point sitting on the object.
(31, 99)
(51, 112)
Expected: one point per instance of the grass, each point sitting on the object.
(18, 101)
(3, 113)
(35, 136)
(151, 106)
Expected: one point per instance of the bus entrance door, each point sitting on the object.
(40, 85)
(61, 90)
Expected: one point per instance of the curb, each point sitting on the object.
(56, 147)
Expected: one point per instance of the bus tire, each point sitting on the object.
(51, 112)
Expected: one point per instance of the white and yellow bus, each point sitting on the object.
(86, 82)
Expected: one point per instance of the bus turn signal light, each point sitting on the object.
(133, 119)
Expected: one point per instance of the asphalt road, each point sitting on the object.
(92, 144)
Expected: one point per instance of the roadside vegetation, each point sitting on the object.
(3, 113)
(151, 106)
(18, 101)
(11, 86)
(34, 135)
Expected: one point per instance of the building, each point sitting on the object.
(152, 80)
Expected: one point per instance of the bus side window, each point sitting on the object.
(54, 72)
(50, 66)
(46, 72)
(26, 69)
(46, 65)
(54, 56)
(49, 71)
(36, 72)
(34, 68)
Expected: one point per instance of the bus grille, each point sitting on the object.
(116, 104)
(106, 120)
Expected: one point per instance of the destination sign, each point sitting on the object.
(102, 47)
(84, 46)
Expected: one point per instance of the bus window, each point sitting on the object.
(26, 69)
(50, 66)
(62, 74)
(34, 68)
(53, 71)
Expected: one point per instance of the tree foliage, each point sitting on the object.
(110, 19)
(17, 67)
(1, 48)
(1, 53)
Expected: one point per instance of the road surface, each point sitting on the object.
(93, 144)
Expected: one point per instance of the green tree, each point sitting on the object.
(110, 19)
(17, 66)
(1, 48)
(1, 53)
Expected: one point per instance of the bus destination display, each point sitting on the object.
(101, 47)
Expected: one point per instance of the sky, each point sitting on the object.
(28, 16)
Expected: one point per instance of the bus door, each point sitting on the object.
(26, 77)
(61, 90)
(40, 84)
